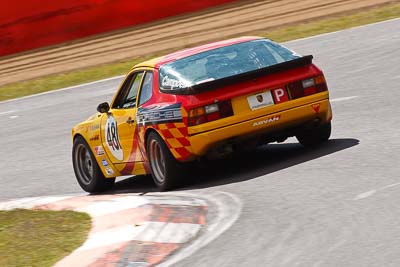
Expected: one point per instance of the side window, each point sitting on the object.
(128, 94)
(147, 88)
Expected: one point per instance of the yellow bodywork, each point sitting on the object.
(246, 122)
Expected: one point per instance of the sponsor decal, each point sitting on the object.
(109, 171)
(167, 82)
(94, 128)
(316, 107)
(99, 150)
(267, 120)
(156, 115)
(104, 162)
(95, 138)
(260, 100)
(112, 138)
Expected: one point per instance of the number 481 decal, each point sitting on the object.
(112, 138)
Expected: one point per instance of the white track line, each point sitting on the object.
(365, 195)
(390, 186)
(374, 191)
(63, 89)
(7, 112)
(343, 98)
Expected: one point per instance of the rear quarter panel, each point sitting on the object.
(166, 115)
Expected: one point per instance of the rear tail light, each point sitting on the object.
(209, 113)
(307, 87)
(320, 83)
(308, 83)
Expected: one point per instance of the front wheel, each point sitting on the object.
(166, 171)
(315, 136)
(86, 169)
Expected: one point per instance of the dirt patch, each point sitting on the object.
(240, 18)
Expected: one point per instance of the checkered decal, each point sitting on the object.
(175, 136)
(174, 132)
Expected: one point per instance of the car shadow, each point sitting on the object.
(240, 167)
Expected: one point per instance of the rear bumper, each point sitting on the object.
(202, 142)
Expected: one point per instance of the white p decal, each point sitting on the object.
(278, 94)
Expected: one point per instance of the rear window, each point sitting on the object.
(223, 62)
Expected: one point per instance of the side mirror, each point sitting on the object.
(103, 107)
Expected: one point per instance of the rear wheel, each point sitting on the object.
(315, 136)
(86, 169)
(166, 171)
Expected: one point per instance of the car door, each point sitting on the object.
(119, 125)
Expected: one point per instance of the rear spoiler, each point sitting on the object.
(215, 84)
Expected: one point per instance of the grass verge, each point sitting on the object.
(280, 34)
(40, 238)
(334, 23)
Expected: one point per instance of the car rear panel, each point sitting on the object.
(238, 95)
(320, 109)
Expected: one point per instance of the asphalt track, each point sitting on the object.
(336, 205)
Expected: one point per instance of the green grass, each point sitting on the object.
(280, 34)
(40, 238)
(332, 24)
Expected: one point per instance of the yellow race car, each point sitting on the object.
(201, 102)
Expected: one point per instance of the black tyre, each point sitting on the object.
(315, 135)
(166, 171)
(86, 169)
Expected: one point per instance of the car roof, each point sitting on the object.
(159, 61)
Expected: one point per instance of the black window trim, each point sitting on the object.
(123, 91)
(141, 86)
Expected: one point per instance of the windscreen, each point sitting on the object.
(222, 63)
